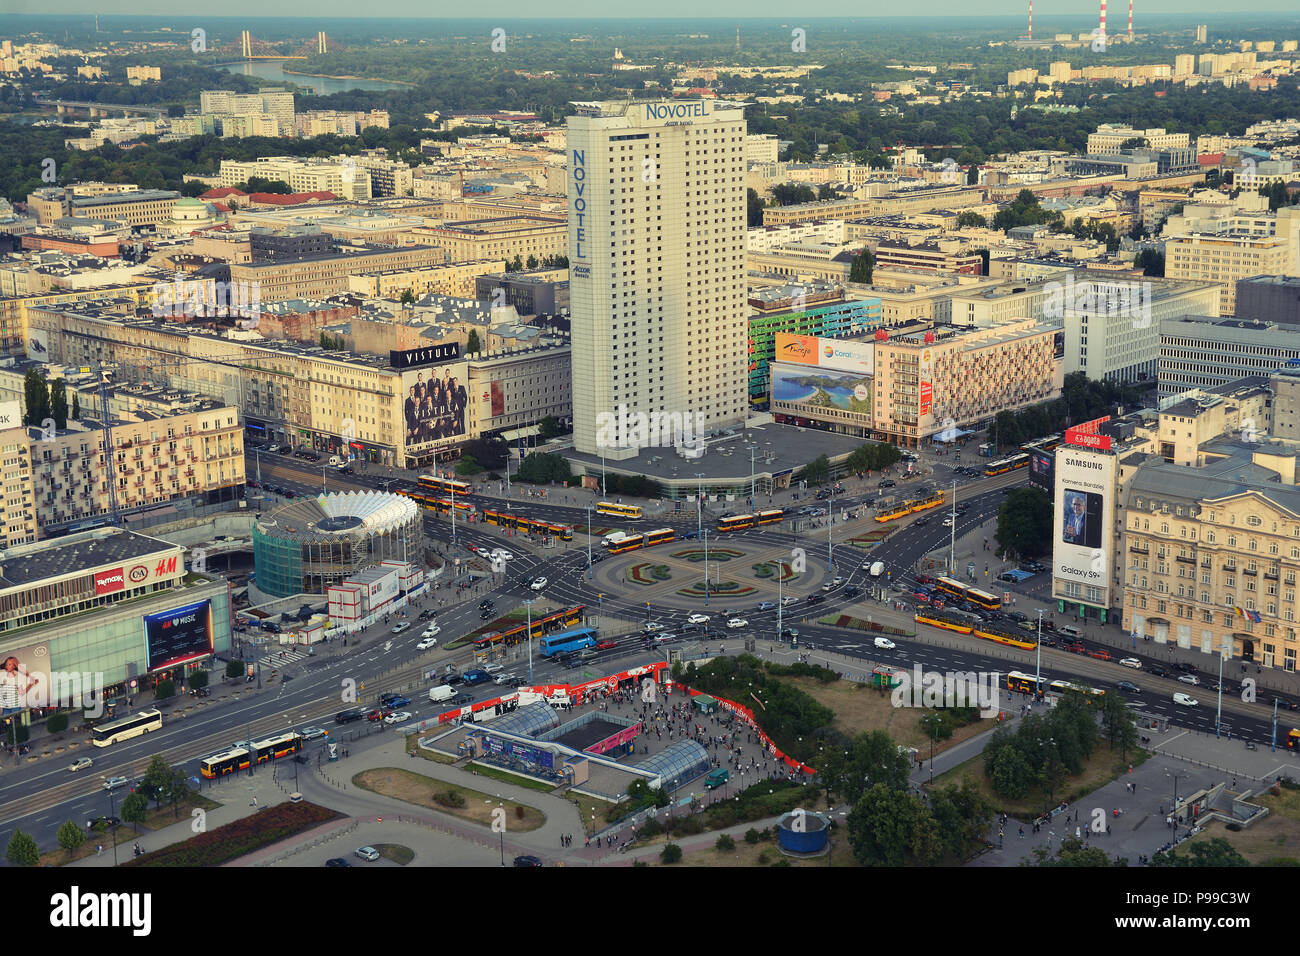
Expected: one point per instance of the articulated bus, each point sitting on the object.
(448, 486)
(1043, 444)
(577, 639)
(1004, 465)
(105, 735)
(741, 522)
(985, 632)
(634, 541)
(1019, 683)
(504, 519)
(569, 617)
(945, 621)
(1061, 686)
(990, 602)
(441, 505)
(931, 500)
(632, 512)
(237, 758)
(893, 512)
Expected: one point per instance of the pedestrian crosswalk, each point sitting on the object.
(281, 658)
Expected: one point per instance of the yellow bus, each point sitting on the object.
(622, 511)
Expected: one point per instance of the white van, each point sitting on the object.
(441, 692)
(614, 537)
(877, 569)
(337, 462)
(1070, 630)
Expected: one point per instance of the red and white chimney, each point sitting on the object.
(1031, 19)
(1102, 28)
(1130, 21)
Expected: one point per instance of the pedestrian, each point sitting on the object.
(99, 850)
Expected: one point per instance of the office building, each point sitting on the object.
(147, 207)
(541, 293)
(346, 180)
(1226, 258)
(289, 244)
(1110, 139)
(506, 237)
(322, 276)
(1207, 351)
(1269, 298)
(656, 246)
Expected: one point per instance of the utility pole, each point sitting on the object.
(706, 568)
(952, 538)
(1038, 659)
(1218, 717)
(699, 505)
(830, 526)
(588, 542)
(753, 489)
(528, 603)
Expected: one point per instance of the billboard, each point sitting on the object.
(1042, 465)
(1084, 518)
(107, 582)
(846, 355)
(819, 389)
(498, 400)
(428, 355)
(434, 405)
(38, 345)
(1086, 434)
(11, 415)
(926, 382)
(25, 679)
(178, 636)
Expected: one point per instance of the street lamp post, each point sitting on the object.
(699, 505)
(830, 526)
(588, 542)
(528, 605)
(1038, 658)
(112, 811)
(1218, 717)
(952, 538)
(706, 568)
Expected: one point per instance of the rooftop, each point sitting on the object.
(27, 564)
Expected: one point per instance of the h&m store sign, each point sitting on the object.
(110, 580)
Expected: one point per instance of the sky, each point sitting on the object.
(602, 9)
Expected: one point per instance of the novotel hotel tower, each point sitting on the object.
(657, 222)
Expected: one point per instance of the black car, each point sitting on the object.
(487, 615)
(527, 861)
(108, 822)
(1155, 670)
(888, 483)
(1185, 667)
(286, 450)
(1016, 616)
(484, 605)
(452, 679)
(920, 522)
(815, 599)
(393, 701)
(1129, 686)
(852, 591)
(349, 715)
(337, 861)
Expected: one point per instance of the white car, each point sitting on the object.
(1132, 662)
(1191, 679)
(494, 668)
(737, 622)
(501, 554)
(539, 584)
(1185, 701)
(947, 522)
(698, 619)
(885, 643)
(368, 853)
(786, 602)
(81, 763)
(433, 630)
(398, 717)
(427, 643)
(651, 626)
(273, 448)
(504, 679)
(404, 626)
(311, 733)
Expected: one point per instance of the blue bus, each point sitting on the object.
(575, 640)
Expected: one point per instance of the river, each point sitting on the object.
(322, 85)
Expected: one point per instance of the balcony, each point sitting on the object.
(1251, 571)
(1186, 559)
(1136, 550)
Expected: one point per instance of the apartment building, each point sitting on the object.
(922, 199)
(498, 238)
(147, 207)
(347, 180)
(657, 264)
(18, 525)
(517, 388)
(1270, 298)
(453, 278)
(1223, 259)
(815, 309)
(928, 257)
(157, 460)
(1109, 138)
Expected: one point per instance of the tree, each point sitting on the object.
(135, 808)
(1151, 261)
(550, 427)
(177, 789)
(1074, 853)
(1213, 852)
(57, 723)
(76, 406)
(826, 191)
(755, 205)
(36, 396)
(468, 466)
(889, 827)
(407, 298)
(531, 263)
(540, 468)
(165, 689)
(817, 471)
(1011, 773)
(257, 184)
(199, 679)
(472, 343)
(70, 836)
(1118, 724)
(156, 780)
(671, 853)
(871, 758)
(961, 816)
(862, 267)
(969, 220)
(22, 850)
(1025, 523)
(792, 194)
(516, 265)
(59, 403)
(234, 668)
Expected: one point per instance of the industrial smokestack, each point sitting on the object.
(1031, 19)
(1130, 21)
(1102, 28)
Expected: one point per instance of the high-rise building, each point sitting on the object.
(657, 222)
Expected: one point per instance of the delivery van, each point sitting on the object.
(877, 569)
(337, 462)
(717, 778)
(614, 537)
(1070, 630)
(441, 693)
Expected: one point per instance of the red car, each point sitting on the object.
(1076, 648)
(922, 597)
(937, 602)
(924, 579)
(1100, 655)
(604, 645)
(378, 713)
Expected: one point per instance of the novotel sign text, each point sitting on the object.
(659, 111)
(579, 202)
